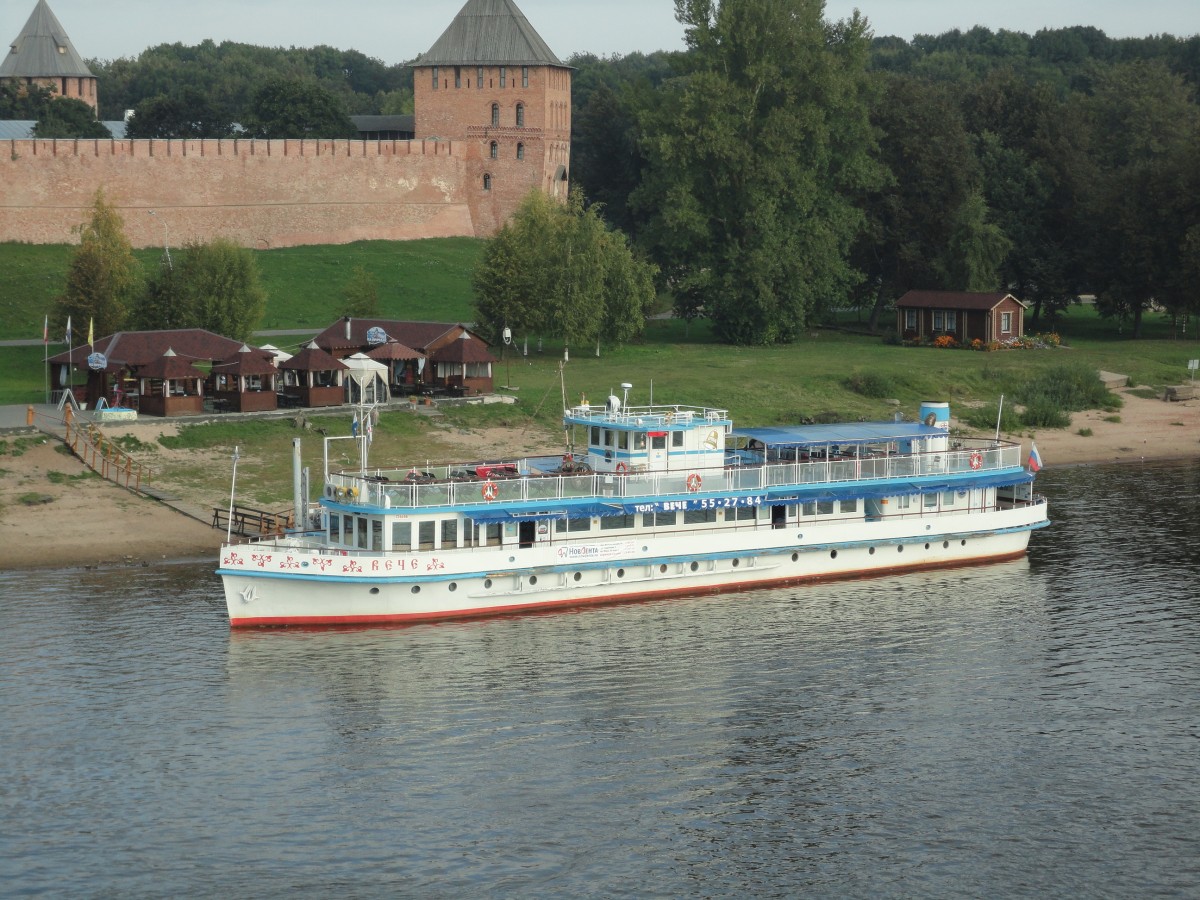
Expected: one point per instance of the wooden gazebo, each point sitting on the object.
(245, 382)
(313, 378)
(397, 356)
(170, 386)
(464, 365)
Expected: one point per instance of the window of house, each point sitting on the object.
(495, 114)
(479, 78)
(435, 78)
(951, 320)
(520, 151)
(520, 115)
(495, 150)
(503, 76)
(487, 182)
(524, 76)
(939, 320)
(1006, 323)
(910, 320)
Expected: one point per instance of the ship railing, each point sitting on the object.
(447, 486)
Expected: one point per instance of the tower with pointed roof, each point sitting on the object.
(491, 82)
(43, 55)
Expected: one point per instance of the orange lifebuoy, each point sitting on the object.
(976, 461)
(693, 482)
(622, 468)
(489, 490)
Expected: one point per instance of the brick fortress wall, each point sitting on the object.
(261, 194)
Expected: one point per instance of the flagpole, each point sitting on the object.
(46, 355)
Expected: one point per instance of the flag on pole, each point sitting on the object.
(67, 336)
(1035, 459)
(90, 332)
(46, 331)
(354, 425)
(370, 427)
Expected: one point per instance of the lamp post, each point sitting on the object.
(507, 335)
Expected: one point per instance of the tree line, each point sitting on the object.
(783, 166)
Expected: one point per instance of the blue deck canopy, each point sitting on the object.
(840, 433)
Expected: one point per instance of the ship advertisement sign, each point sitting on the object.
(590, 552)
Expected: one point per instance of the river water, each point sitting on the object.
(1023, 729)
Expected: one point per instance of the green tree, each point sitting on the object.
(297, 108)
(214, 285)
(976, 249)
(67, 117)
(556, 269)
(18, 101)
(755, 157)
(1144, 131)
(360, 295)
(103, 276)
(184, 113)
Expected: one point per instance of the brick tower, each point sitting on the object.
(43, 55)
(491, 82)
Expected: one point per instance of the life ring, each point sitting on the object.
(713, 440)
(622, 468)
(489, 490)
(693, 482)
(976, 460)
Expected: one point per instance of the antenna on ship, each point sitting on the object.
(625, 386)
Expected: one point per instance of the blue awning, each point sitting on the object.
(841, 433)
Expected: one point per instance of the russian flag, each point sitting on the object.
(1035, 459)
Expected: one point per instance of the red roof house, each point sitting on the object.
(964, 315)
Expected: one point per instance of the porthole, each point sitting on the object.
(453, 586)
(963, 542)
(926, 546)
(374, 590)
(487, 582)
(736, 563)
(945, 545)
(577, 576)
(695, 566)
(620, 573)
(899, 548)
(416, 589)
(663, 569)
(532, 580)
(871, 551)
(833, 554)
(795, 557)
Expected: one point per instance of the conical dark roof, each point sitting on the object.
(42, 49)
(490, 32)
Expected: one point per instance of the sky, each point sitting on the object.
(397, 30)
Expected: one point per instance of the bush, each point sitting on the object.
(1068, 388)
(871, 384)
(1084, 432)
(1045, 413)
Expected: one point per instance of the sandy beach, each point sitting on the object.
(52, 514)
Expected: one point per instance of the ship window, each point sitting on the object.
(608, 437)
(595, 436)
(699, 516)
(744, 512)
(622, 440)
(658, 441)
(377, 534)
(449, 532)
(492, 533)
(361, 529)
(849, 506)
(824, 507)
(610, 523)
(931, 501)
(639, 441)
(903, 502)
(335, 529)
(676, 438)
(809, 508)
(401, 535)
(572, 525)
(947, 498)
(425, 535)
(659, 519)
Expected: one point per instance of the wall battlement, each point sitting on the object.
(259, 193)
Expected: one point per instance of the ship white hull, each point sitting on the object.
(285, 582)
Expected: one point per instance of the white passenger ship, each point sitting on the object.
(664, 500)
